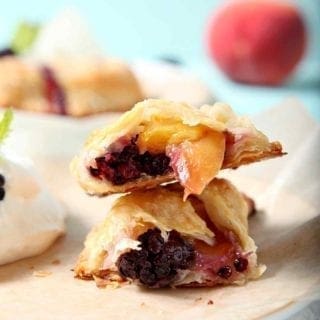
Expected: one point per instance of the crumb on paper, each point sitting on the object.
(142, 304)
(55, 262)
(104, 283)
(198, 299)
(210, 302)
(41, 273)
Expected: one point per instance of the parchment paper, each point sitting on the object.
(286, 229)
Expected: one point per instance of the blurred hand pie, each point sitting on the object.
(76, 87)
(155, 239)
(161, 141)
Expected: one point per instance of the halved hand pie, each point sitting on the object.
(156, 239)
(160, 141)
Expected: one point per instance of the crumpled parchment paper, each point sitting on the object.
(286, 230)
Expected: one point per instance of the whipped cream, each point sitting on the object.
(30, 218)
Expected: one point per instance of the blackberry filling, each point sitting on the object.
(241, 264)
(53, 91)
(157, 263)
(225, 272)
(128, 164)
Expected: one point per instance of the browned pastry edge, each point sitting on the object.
(141, 183)
(107, 278)
(274, 151)
(112, 279)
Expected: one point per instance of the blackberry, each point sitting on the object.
(157, 263)
(154, 165)
(128, 164)
(152, 241)
(178, 250)
(131, 263)
(130, 152)
(240, 264)
(225, 272)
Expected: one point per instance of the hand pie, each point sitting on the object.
(156, 239)
(75, 87)
(160, 141)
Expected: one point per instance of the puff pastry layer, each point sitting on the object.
(161, 141)
(207, 236)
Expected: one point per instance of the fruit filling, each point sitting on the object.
(225, 259)
(222, 261)
(193, 162)
(53, 91)
(158, 262)
(129, 164)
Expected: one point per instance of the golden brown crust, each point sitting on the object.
(133, 214)
(244, 143)
(273, 150)
(90, 86)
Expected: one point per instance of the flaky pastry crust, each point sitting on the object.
(163, 208)
(243, 143)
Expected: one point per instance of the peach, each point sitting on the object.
(257, 41)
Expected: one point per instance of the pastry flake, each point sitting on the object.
(161, 141)
(156, 239)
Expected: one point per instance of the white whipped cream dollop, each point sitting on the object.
(30, 218)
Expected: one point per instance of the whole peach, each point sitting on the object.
(257, 41)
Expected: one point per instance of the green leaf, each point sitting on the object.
(24, 37)
(5, 124)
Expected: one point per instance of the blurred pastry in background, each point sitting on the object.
(59, 68)
(75, 87)
(44, 71)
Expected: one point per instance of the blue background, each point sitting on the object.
(155, 28)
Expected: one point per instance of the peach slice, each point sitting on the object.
(196, 163)
(154, 138)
